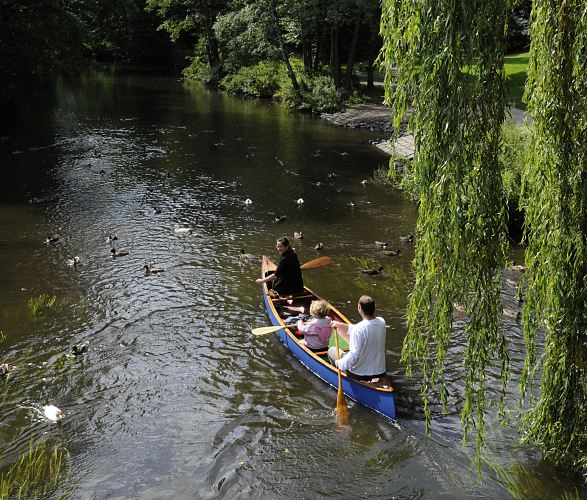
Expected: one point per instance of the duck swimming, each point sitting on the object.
(300, 201)
(391, 253)
(80, 348)
(181, 230)
(298, 235)
(152, 270)
(381, 244)
(372, 272)
(246, 256)
(319, 246)
(73, 262)
(407, 239)
(248, 201)
(120, 253)
(279, 219)
(53, 413)
(52, 238)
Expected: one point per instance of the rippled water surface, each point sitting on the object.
(175, 398)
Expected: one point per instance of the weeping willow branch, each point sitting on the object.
(555, 199)
(448, 62)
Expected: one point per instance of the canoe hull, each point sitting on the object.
(378, 399)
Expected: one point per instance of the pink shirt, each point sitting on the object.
(316, 332)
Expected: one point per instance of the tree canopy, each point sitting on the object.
(448, 64)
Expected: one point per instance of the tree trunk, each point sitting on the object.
(334, 56)
(211, 43)
(282, 49)
(351, 59)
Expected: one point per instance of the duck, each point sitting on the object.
(381, 244)
(511, 283)
(53, 413)
(510, 313)
(372, 272)
(73, 262)
(352, 204)
(80, 348)
(280, 218)
(517, 267)
(246, 256)
(4, 369)
(460, 308)
(298, 235)
(156, 210)
(120, 253)
(300, 201)
(181, 230)
(111, 237)
(407, 239)
(248, 201)
(152, 270)
(391, 253)
(364, 182)
(52, 238)
(319, 246)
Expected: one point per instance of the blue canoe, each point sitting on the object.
(378, 396)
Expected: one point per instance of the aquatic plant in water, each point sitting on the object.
(42, 301)
(35, 473)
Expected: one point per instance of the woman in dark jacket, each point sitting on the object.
(287, 278)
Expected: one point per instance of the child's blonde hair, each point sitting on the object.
(319, 308)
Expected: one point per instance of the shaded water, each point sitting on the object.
(175, 398)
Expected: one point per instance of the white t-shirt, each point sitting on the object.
(366, 354)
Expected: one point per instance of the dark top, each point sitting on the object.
(289, 275)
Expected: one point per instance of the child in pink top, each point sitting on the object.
(317, 331)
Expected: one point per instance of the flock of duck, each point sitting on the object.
(51, 412)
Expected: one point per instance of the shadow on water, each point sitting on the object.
(174, 397)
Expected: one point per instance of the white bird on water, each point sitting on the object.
(300, 201)
(181, 230)
(248, 201)
(53, 413)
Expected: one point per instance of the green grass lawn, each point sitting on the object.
(516, 66)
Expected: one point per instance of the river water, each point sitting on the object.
(174, 397)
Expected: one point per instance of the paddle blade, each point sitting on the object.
(263, 330)
(342, 410)
(319, 262)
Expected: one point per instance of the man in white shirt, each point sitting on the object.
(365, 359)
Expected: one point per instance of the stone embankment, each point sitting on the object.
(378, 118)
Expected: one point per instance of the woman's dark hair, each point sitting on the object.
(367, 305)
(283, 240)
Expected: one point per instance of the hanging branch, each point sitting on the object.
(555, 199)
(449, 63)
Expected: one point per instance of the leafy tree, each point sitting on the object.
(449, 63)
(555, 200)
(191, 18)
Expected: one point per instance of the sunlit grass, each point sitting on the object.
(516, 70)
(35, 473)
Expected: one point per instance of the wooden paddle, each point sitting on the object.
(263, 330)
(342, 410)
(319, 262)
